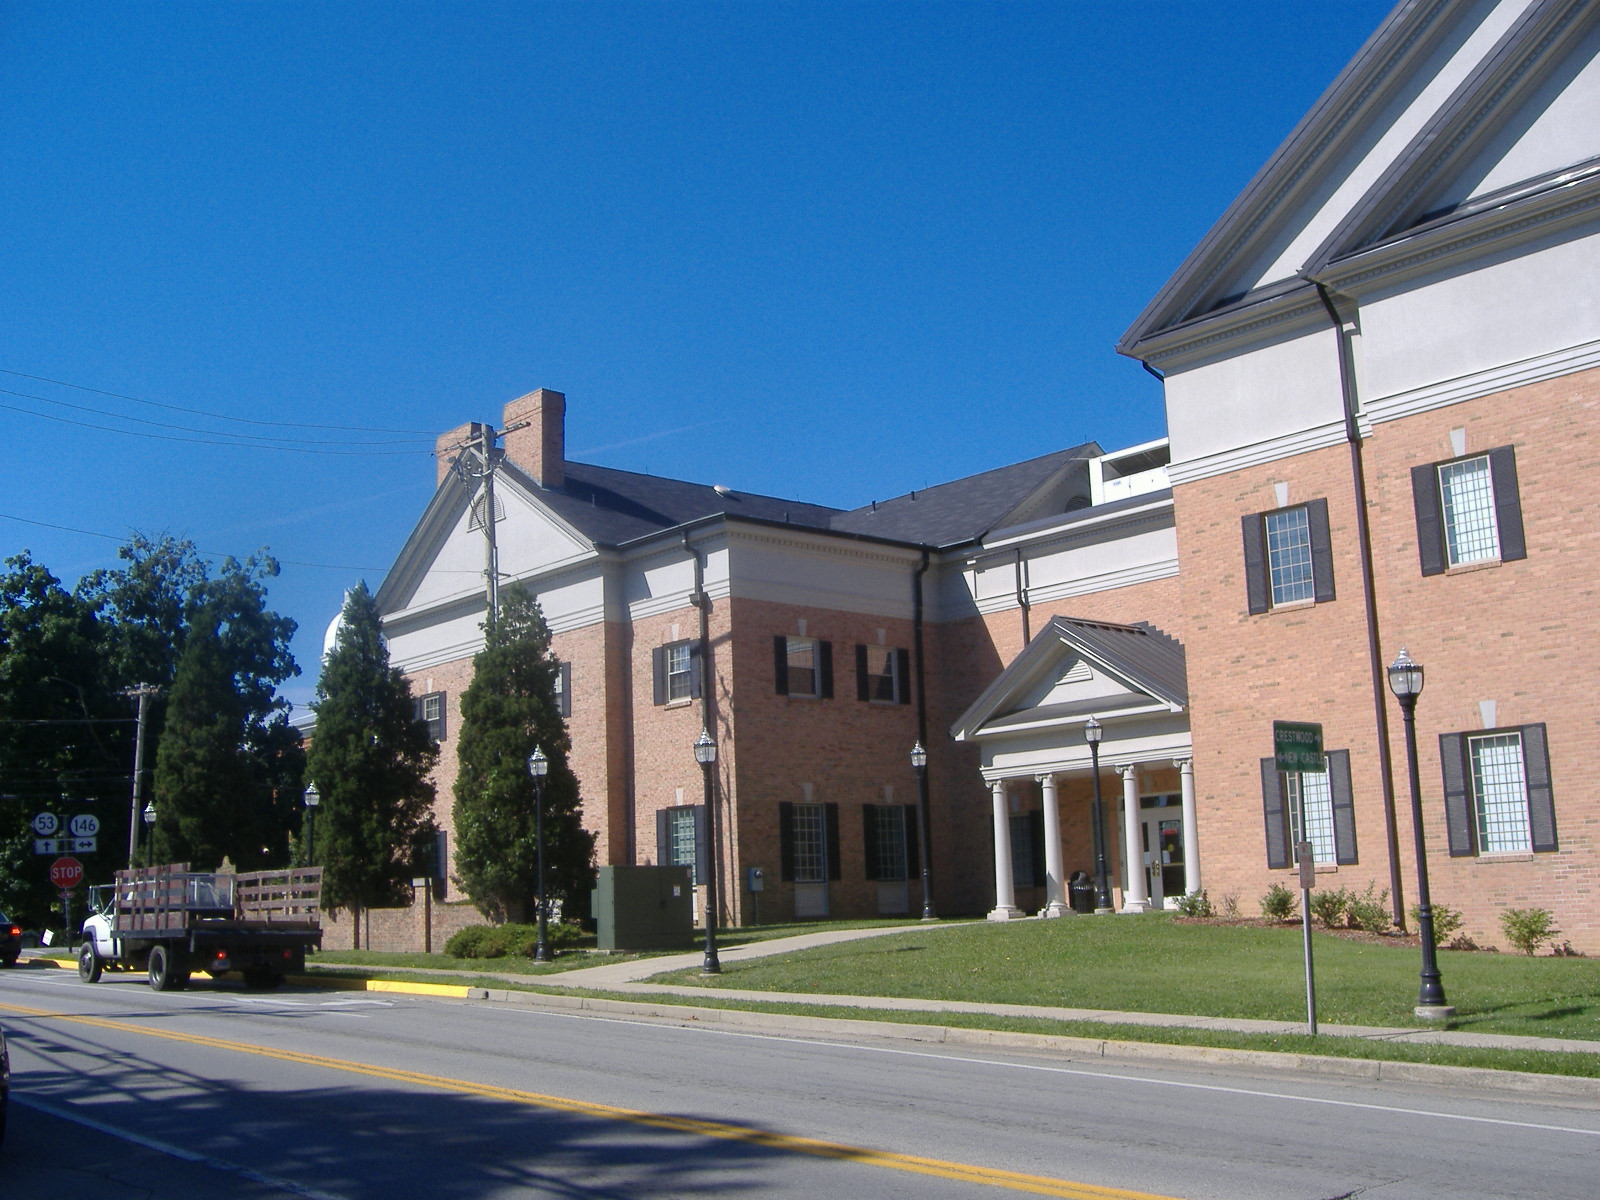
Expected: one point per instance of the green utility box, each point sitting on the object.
(644, 908)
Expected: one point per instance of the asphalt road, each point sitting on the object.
(121, 1092)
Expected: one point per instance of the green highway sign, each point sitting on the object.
(1297, 746)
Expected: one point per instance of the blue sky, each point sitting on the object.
(825, 251)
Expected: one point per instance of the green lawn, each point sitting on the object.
(1153, 964)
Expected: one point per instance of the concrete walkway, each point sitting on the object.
(628, 978)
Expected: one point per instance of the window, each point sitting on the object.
(1469, 510)
(677, 671)
(1497, 794)
(1288, 556)
(808, 842)
(1328, 803)
(1027, 849)
(883, 674)
(430, 709)
(681, 840)
(803, 666)
(564, 688)
(889, 840)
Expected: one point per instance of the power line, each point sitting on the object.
(198, 412)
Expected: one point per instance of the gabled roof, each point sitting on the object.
(1139, 656)
(961, 511)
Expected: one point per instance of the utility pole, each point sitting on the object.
(144, 691)
(482, 445)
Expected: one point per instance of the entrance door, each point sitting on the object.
(1162, 827)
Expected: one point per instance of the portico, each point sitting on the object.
(1030, 725)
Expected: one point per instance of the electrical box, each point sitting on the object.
(758, 879)
(644, 908)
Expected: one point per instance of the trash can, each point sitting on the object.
(1080, 892)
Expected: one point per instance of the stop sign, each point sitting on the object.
(66, 873)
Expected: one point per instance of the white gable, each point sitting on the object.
(1073, 680)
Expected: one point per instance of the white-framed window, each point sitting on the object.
(1311, 793)
(564, 688)
(883, 675)
(1466, 498)
(682, 848)
(680, 671)
(1289, 556)
(1500, 794)
(430, 709)
(803, 670)
(810, 844)
(889, 846)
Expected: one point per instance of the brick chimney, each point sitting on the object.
(541, 448)
(450, 444)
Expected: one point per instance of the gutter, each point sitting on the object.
(1380, 707)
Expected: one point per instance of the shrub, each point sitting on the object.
(516, 941)
(1368, 911)
(1446, 921)
(1230, 905)
(1328, 906)
(1528, 928)
(1278, 904)
(468, 942)
(1198, 904)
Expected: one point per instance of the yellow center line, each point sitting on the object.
(1013, 1180)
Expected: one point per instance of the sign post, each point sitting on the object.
(1297, 748)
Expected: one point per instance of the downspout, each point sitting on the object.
(924, 834)
(707, 685)
(1380, 696)
(916, 639)
(1022, 597)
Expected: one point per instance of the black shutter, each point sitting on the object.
(825, 670)
(1458, 814)
(696, 670)
(1277, 816)
(1321, 550)
(862, 691)
(902, 676)
(658, 666)
(1036, 846)
(1541, 804)
(1430, 526)
(1344, 808)
(913, 844)
(780, 664)
(441, 855)
(566, 693)
(663, 838)
(786, 841)
(1508, 507)
(830, 819)
(1255, 564)
(869, 835)
(702, 846)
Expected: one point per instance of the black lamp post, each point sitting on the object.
(919, 760)
(539, 767)
(312, 798)
(1092, 733)
(1405, 681)
(705, 753)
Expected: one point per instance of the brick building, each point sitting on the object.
(1382, 372)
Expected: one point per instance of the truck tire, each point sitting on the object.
(166, 969)
(89, 963)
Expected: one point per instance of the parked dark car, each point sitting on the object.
(10, 940)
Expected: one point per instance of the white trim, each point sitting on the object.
(1303, 441)
(1485, 383)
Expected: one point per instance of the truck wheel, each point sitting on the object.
(165, 972)
(89, 964)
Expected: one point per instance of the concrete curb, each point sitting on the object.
(689, 1016)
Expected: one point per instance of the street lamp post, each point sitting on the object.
(1405, 681)
(919, 760)
(1092, 733)
(312, 798)
(149, 815)
(705, 753)
(539, 767)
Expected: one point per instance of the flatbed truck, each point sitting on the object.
(170, 921)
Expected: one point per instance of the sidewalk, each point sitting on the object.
(627, 978)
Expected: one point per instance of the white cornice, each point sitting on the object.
(1080, 526)
(1203, 339)
(1302, 441)
(1485, 383)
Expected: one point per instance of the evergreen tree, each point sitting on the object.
(370, 759)
(509, 708)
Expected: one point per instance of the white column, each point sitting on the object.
(1055, 891)
(1005, 893)
(1135, 892)
(1191, 827)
